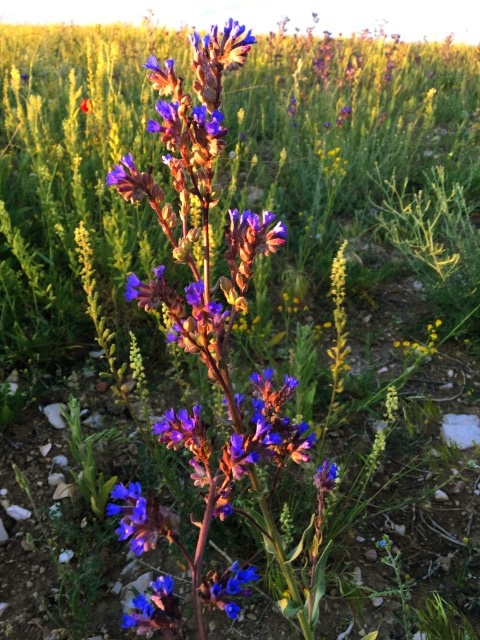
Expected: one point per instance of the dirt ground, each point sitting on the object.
(439, 540)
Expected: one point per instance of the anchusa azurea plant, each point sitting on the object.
(200, 321)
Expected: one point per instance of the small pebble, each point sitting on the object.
(54, 479)
(3, 606)
(440, 496)
(60, 461)
(3, 533)
(45, 448)
(377, 602)
(18, 513)
(53, 413)
(65, 556)
(371, 555)
(117, 587)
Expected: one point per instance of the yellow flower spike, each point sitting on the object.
(429, 327)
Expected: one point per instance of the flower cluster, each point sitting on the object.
(324, 481)
(247, 236)
(133, 185)
(270, 437)
(159, 612)
(179, 429)
(213, 55)
(218, 590)
(325, 477)
(153, 293)
(143, 519)
(343, 115)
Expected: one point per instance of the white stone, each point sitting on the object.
(94, 421)
(463, 430)
(440, 496)
(117, 587)
(45, 448)
(3, 606)
(140, 585)
(346, 633)
(420, 636)
(60, 460)
(18, 513)
(417, 285)
(377, 602)
(3, 533)
(96, 354)
(54, 479)
(400, 529)
(65, 556)
(54, 414)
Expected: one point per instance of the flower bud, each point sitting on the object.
(193, 235)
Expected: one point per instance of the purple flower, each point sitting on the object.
(159, 271)
(169, 64)
(199, 113)
(236, 444)
(232, 610)
(194, 40)
(290, 383)
(152, 64)
(163, 585)
(325, 477)
(131, 287)
(153, 127)
(194, 293)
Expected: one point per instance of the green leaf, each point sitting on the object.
(259, 519)
(276, 339)
(371, 636)
(319, 586)
(294, 553)
(288, 607)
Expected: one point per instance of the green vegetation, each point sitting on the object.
(367, 148)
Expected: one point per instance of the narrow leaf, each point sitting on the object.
(294, 553)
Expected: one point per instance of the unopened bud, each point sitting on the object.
(241, 304)
(183, 252)
(189, 324)
(194, 235)
(225, 284)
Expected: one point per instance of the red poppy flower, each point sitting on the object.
(86, 105)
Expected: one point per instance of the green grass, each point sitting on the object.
(400, 170)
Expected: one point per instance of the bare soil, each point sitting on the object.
(439, 541)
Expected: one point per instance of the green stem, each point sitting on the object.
(285, 568)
